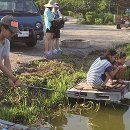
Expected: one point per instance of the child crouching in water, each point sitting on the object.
(102, 70)
(121, 57)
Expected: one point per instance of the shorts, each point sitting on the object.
(97, 86)
(103, 77)
(95, 82)
(50, 31)
(56, 33)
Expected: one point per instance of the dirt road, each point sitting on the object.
(99, 36)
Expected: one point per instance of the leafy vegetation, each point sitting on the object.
(89, 11)
(26, 104)
(31, 104)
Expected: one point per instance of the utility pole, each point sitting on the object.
(109, 6)
(117, 9)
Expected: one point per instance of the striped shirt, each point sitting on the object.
(97, 69)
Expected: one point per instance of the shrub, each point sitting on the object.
(98, 21)
(82, 21)
(90, 17)
(108, 17)
(71, 13)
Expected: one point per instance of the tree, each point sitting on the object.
(40, 3)
(80, 6)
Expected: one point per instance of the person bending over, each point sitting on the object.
(8, 28)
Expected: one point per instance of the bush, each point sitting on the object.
(90, 17)
(98, 21)
(71, 13)
(65, 12)
(108, 18)
(99, 18)
(82, 21)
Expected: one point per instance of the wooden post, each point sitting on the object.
(117, 9)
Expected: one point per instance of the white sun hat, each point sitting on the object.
(51, 3)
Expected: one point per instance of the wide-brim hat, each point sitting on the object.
(51, 4)
(11, 22)
(57, 4)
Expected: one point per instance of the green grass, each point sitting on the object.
(59, 74)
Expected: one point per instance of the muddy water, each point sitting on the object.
(106, 117)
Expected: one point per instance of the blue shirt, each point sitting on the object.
(48, 18)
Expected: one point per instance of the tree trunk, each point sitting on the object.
(84, 15)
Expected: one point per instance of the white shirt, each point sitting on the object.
(4, 49)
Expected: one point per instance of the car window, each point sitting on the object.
(6, 5)
(18, 5)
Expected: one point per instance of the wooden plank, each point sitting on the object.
(115, 87)
(114, 94)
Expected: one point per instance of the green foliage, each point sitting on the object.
(98, 21)
(101, 10)
(40, 3)
(90, 17)
(94, 18)
(104, 5)
(32, 104)
(70, 13)
(58, 74)
(108, 17)
(82, 21)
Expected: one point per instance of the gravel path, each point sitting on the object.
(100, 37)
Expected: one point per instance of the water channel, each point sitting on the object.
(108, 117)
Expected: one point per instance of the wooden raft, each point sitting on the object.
(116, 93)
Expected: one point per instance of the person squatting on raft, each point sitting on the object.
(102, 70)
(48, 18)
(8, 28)
(120, 61)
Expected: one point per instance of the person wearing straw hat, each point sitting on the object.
(48, 18)
(8, 28)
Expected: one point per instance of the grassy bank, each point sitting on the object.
(24, 105)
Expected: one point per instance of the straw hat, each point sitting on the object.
(51, 3)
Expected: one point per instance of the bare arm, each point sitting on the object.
(112, 73)
(7, 63)
(6, 69)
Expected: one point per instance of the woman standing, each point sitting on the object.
(57, 15)
(48, 18)
(60, 24)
